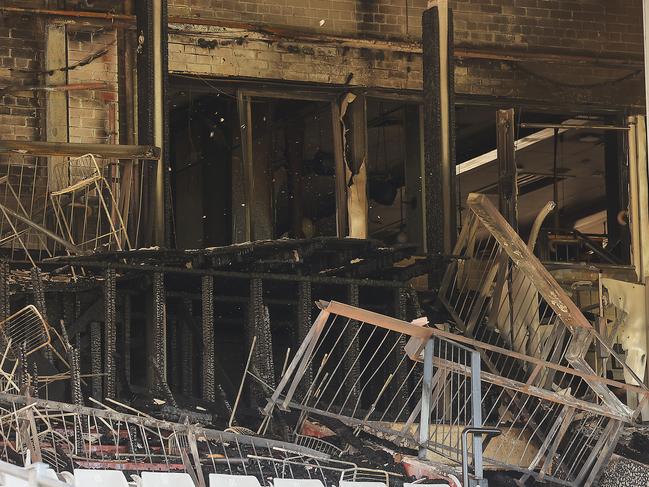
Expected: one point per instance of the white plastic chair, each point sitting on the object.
(99, 478)
(225, 480)
(349, 483)
(406, 484)
(297, 483)
(66, 477)
(42, 471)
(166, 479)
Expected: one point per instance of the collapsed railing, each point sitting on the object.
(81, 206)
(529, 332)
(66, 437)
(559, 419)
(385, 376)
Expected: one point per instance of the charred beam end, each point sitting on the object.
(69, 149)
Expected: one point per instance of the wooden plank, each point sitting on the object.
(356, 169)
(69, 149)
(507, 182)
(339, 160)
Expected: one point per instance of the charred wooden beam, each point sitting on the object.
(507, 182)
(208, 389)
(126, 338)
(259, 325)
(439, 153)
(465, 51)
(69, 149)
(187, 317)
(5, 308)
(158, 337)
(351, 341)
(76, 14)
(110, 332)
(95, 360)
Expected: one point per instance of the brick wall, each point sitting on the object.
(93, 113)
(568, 25)
(592, 28)
(21, 55)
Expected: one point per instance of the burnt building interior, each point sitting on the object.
(310, 244)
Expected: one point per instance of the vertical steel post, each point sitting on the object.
(476, 413)
(426, 394)
(207, 287)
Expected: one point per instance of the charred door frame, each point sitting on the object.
(244, 101)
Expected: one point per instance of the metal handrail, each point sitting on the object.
(477, 469)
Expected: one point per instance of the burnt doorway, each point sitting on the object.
(204, 141)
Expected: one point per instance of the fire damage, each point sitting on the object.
(502, 384)
(237, 254)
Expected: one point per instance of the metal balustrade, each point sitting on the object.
(562, 417)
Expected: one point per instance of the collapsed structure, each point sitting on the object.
(354, 242)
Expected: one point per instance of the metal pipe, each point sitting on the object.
(426, 394)
(243, 379)
(37, 227)
(465, 461)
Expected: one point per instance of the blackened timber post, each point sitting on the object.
(5, 272)
(439, 131)
(110, 332)
(208, 387)
(507, 180)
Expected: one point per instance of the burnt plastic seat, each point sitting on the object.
(225, 480)
(297, 483)
(166, 479)
(99, 478)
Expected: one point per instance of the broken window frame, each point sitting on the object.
(420, 188)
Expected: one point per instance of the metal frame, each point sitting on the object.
(534, 341)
